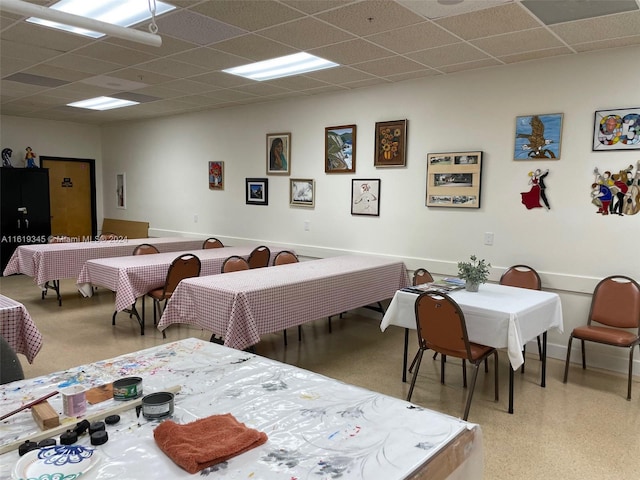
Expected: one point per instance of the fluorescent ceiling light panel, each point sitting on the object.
(295, 64)
(123, 13)
(102, 103)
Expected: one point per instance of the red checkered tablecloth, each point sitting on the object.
(241, 306)
(133, 276)
(55, 261)
(18, 329)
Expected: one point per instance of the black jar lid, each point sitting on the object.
(112, 419)
(96, 427)
(47, 442)
(82, 427)
(27, 446)
(100, 437)
(68, 438)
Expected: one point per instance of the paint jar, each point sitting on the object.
(74, 400)
(157, 405)
(127, 388)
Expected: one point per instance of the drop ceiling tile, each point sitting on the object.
(328, 89)
(172, 68)
(9, 65)
(196, 28)
(114, 53)
(93, 66)
(231, 95)
(605, 28)
(141, 76)
(253, 47)
(221, 80)
(518, 42)
(366, 83)
(20, 50)
(339, 75)
(209, 58)
(415, 37)
(160, 92)
(201, 100)
(17, 89)
(297, 82)
(32, 34)
(524, 57)
(187, 86)
(371, 16)
(260, 89)
(352, 51)
(80, 91)
(31, 79)
(389, 66)
(170, 45)
(57, 72)
(490, 62)
(412, 75)
(492, 21)
(569, 10)
(618, 42)
(433, 9)
(250, 15)
(306, 33)
(316, 5)
(447, 55)
(114, 83)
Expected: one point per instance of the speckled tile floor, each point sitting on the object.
(585, 429)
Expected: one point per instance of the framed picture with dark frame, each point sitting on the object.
(302, 192)
(257, 191)
(616, 130)
(121, 191)
(538, 137)
(365, 197)
(278, 153)
(391, 144)
(340, 149)
(453, 179)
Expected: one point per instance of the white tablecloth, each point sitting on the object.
(497, 315)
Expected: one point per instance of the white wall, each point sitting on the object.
(165, 161)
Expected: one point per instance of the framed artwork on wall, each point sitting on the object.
(302, 192)
(216, 175)
(616, 130)
(538, 137)
(453, 179)
(365, 197)
(257, 191)
(278, 153)
(121, 191)
(391, 144)
(340, 149)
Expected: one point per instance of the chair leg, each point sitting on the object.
(566, 363)
(285, 337)
(584, 358)
(415, 375)
(630, 372)
(329, 324)
(476, 369)
(443, 360)
(464, 373)
(299, 333)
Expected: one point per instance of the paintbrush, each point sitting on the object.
(30, 404)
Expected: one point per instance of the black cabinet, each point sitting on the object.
(25, 216)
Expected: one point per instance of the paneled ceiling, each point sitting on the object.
(375, 42)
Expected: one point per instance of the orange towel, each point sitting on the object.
(207, 441)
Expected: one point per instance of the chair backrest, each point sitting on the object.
(259, 257)
(441, 325)
(10, 368)
(184, 266)
(421, 275)
(234, 263)
(521, 276)
(285, 256)
(212, 243)
(145, 249)
(108, 236)
(616, 302)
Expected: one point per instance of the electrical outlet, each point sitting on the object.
(195, 218)
(488, 238)
(307, 225)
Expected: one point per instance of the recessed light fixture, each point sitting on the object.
(286, 66)
(123, 13)
(102, 103)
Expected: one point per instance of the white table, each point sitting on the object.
(241, 306)
(317, 427)
(52, 262)
(497, 315)
(18, 329)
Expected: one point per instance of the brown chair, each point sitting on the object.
(441, 327)
(523, 276)
(421, 275)
(105, 236)
(259, 257)
(212, 243)
(284, 257)
(615, 308)
(234, 263)
(145, 249)
(184, 266)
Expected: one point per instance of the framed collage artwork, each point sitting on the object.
(453, 179)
